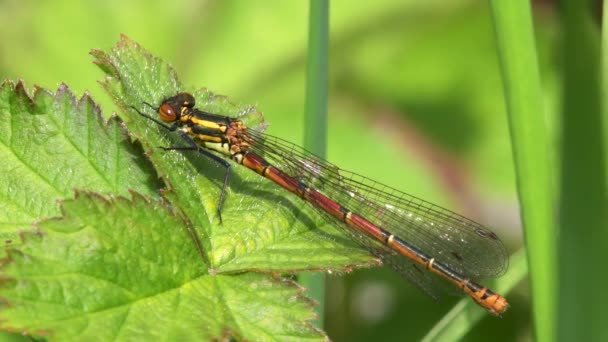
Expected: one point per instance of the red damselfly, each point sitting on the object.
(422, 241)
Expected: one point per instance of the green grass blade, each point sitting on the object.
(605, 90)
(530, 143)
(315, 135)
(315, 128)
(583, 241)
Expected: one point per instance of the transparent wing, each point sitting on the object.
(462, 244)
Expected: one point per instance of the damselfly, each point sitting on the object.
(422, 241)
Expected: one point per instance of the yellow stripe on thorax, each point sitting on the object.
(207, 124)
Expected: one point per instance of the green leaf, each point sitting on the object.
(111, 268)
(264, 228)
(51, 144)
(119, 269)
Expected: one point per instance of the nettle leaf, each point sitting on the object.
(264, 228)
(53, 143)
(120, 269)
(148, 268)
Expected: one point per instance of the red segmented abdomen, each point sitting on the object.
(488, 299)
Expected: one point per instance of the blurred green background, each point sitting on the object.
(415, 102)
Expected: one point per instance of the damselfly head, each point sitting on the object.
(170, 109)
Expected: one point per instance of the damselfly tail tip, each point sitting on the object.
(496, 304)
(486, 298)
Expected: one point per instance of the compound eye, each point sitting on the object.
(167, 113)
